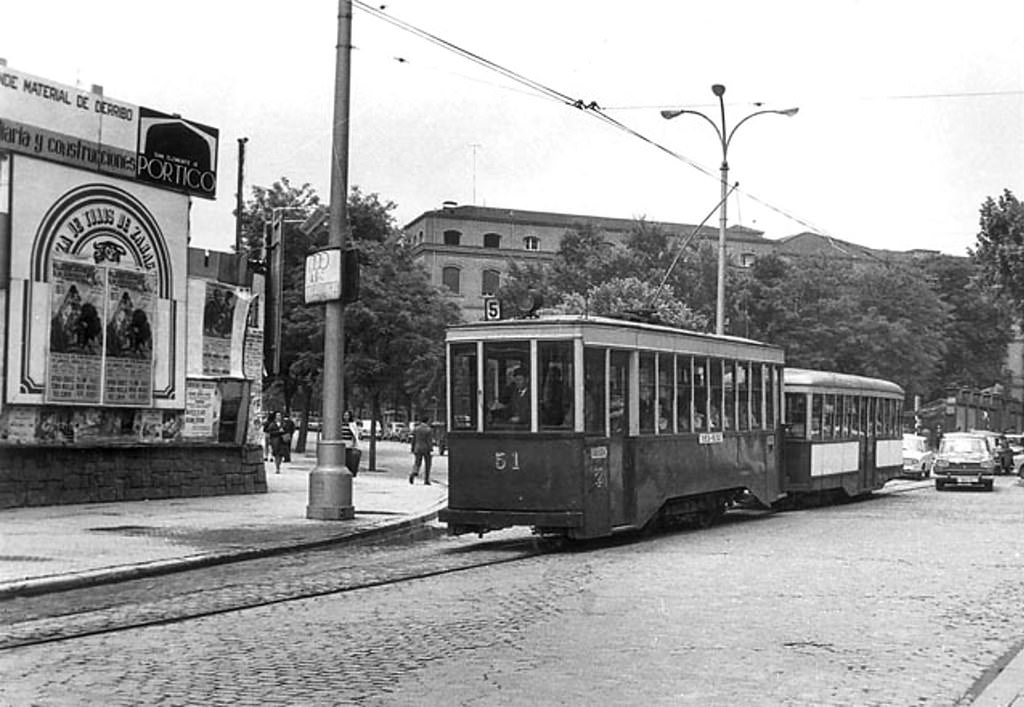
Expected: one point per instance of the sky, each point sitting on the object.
(910, 115)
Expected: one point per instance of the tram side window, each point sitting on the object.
(554, 359)
(729, 388)
(715, 409)
(817, 414)
(846, 408)
(665, 397)
(757, 417)
(463, 386)
(618, 393)
(796, 414)
(769, 397)
(507, 385)
(828, 425)
(743, 392)
(684, 390)
(593, 391)
(855, 427)
(700, 394)
(647, 392)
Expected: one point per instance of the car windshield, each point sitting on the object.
(963, 445)
(915, 444)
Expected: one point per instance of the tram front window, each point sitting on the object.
(463, 385)
(507, 385)
(556, 384)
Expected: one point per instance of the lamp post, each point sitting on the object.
(724, 137)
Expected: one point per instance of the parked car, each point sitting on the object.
(1001, 447)
(364, 429)
(397, 431)
(965, 459)
(918, 457)
(313, 424)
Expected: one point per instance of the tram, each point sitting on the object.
(843, 436)
(582, 426)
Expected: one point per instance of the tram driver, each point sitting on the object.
(514, 403)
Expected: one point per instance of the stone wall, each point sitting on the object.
(43, 475)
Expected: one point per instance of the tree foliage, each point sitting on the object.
(1000, 246)
(394, 332)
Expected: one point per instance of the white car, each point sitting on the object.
(917, 457)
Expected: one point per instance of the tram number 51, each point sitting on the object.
(506, 460)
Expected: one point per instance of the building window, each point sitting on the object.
(492, 240)
(491, 282)
(531, 243)
(419, 237)
(747, 260)
(450, 278)
(452, 237)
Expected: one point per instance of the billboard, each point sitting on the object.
(87, 130)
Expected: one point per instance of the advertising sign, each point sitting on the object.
(87, 130)
(323, 276)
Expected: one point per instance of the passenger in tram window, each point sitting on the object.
(514, 403)
(664, 415)
(552, 406)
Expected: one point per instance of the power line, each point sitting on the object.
(590, 107)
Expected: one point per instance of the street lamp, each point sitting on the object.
(724, 137)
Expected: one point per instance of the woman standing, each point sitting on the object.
(276, 437)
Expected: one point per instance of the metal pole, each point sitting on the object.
(719, 90)
(720, 300)
(239, 196)
(330, 483)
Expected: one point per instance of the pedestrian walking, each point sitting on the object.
(289, 430)
(274, 430)
(422, 449)
(350, 437)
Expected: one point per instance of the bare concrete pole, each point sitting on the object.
(330, 483)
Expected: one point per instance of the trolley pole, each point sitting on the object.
(330, 483)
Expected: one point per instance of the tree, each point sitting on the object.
(874, 319)
(978, 330)
(1000, 246)
(394, 333)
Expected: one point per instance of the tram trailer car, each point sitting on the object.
(843, 436)
(582, 426)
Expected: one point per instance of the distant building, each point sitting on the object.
(467, 249)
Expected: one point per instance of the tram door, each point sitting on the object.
(618, 417)
(605, 412)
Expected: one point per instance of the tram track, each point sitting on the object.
(119, 609)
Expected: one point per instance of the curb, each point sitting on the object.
(113, 575)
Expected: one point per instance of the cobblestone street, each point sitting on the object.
(911, 598)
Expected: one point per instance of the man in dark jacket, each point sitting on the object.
(422, 448)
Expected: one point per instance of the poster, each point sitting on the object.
(202, 410)
(149, 425)
(131, 303)
(225, 309)
(75, 351)
(21, 424)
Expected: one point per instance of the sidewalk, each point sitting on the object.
(54, 548)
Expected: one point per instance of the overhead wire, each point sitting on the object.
(591, 108)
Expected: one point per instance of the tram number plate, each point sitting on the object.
(711, 437)
(506, 461)
(599, 452)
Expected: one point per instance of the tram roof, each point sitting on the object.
(833, 382)
(606, 331)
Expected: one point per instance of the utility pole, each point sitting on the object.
(238, 193)
(330, 483)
